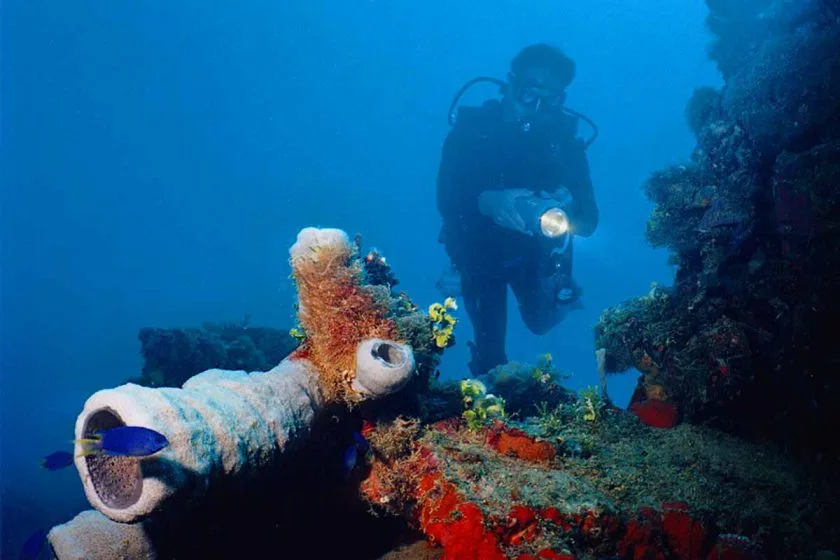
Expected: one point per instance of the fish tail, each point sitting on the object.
(90, 446)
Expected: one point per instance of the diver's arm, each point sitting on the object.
(583, 212)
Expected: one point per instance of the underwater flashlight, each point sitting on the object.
(554, 223)
(545, 217)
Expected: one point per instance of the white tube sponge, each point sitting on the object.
(221, 424)
(92, 536)
(382, 367)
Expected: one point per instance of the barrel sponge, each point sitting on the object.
(336, 310)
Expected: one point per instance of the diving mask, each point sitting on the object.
(539, 99)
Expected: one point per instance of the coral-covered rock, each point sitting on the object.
(455, 486)
(735, 547)
(171, 356)
(523, 386)
(469, 511)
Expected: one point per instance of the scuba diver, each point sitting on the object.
(514, 189)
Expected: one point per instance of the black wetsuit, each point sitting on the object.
(481, 153)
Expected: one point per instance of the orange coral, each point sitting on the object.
(520, 526)
(516, 443)
(336, 312)
(458, 525)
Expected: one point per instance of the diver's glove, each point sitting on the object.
(561, 195)
(500, 206)
(449, 284)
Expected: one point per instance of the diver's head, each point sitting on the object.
(539, 75)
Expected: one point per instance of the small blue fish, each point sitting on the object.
(33, 545)
(351, 455)
(124, 441)
(361, 442)
(350, 458)
(57, 461)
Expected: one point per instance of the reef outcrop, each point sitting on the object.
(173, 355)
(744, 339)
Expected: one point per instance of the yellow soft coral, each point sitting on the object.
(443, 323)
(590, 404)
(542, 371)
(480, 406)
(297, 334)
(472, 389)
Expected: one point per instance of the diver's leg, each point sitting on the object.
(485, 299)
(539, 291)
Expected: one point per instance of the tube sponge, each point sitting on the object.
(382, 367)
(338, 313)
(221, 424)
